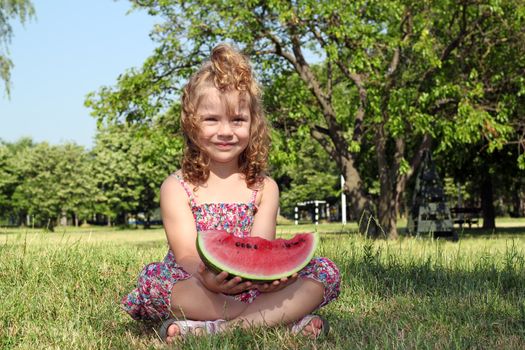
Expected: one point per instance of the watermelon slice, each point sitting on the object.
(253, 258)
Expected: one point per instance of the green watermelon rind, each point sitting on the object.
(218, 267)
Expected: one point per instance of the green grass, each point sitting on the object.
(62, 290)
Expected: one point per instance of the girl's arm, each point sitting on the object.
(179, 224)
(265, 220)
(181, 233)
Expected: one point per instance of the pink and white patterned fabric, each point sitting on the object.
(151, 299)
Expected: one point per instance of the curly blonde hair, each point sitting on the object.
(227, 70)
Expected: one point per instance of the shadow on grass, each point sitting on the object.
(482, 306)
(144, 328)
(481, 232)
(464, 233)
(427, 279)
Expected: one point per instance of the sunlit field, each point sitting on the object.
(61, 290)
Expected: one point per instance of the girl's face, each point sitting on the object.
(224, 125)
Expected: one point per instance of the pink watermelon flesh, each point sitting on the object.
(254, 258)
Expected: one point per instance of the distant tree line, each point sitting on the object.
(43, 185)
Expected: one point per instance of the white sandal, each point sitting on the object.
(188, 327)
(298, 326)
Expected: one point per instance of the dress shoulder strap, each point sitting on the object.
(253, 197)
(186, 187)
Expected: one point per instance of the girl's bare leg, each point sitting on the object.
(283, 307)
(191, 300)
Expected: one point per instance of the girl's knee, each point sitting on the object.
(324, 271)
(324, 268)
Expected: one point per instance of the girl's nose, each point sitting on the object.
(224, 129)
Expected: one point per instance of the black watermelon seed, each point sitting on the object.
(242, 245)
(248, 245)
(255, 246)
(237, 244)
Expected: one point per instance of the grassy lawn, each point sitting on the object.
(61, 290)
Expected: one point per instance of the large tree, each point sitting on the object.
(10, 10)
(494, 66)
(400, 64)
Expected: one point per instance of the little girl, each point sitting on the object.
(223, 186)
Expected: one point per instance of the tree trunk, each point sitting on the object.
(50, 226)
(521, 211)
(386, 212)
(63, 219)
(518, 204)
(403, 178)
(387, 208)
(487, 201)
(147, 222)
(361, 208)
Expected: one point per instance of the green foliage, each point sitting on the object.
(521, 161)
(120, 176)
(10, 10)
(52, 181)
(298, 163)
(302, 171)
(8, 178)
(129, 165)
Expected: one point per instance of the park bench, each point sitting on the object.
(466, 215)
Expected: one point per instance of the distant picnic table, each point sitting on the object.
(466, 215)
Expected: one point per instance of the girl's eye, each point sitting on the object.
(239, 120)
(209, 119)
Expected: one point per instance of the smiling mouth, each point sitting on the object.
(224, 145)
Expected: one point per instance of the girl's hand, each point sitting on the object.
(218, 283)
(277, 284)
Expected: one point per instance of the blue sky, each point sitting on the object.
(68, 50)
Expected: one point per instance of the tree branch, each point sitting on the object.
(279, 48)
(320, 136)
(357, 80)
(454, 43)
(425, 144)
(394, 63)
(402, 179)
(329, 80)
(309, 78)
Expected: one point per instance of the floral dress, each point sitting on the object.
(150, 300)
